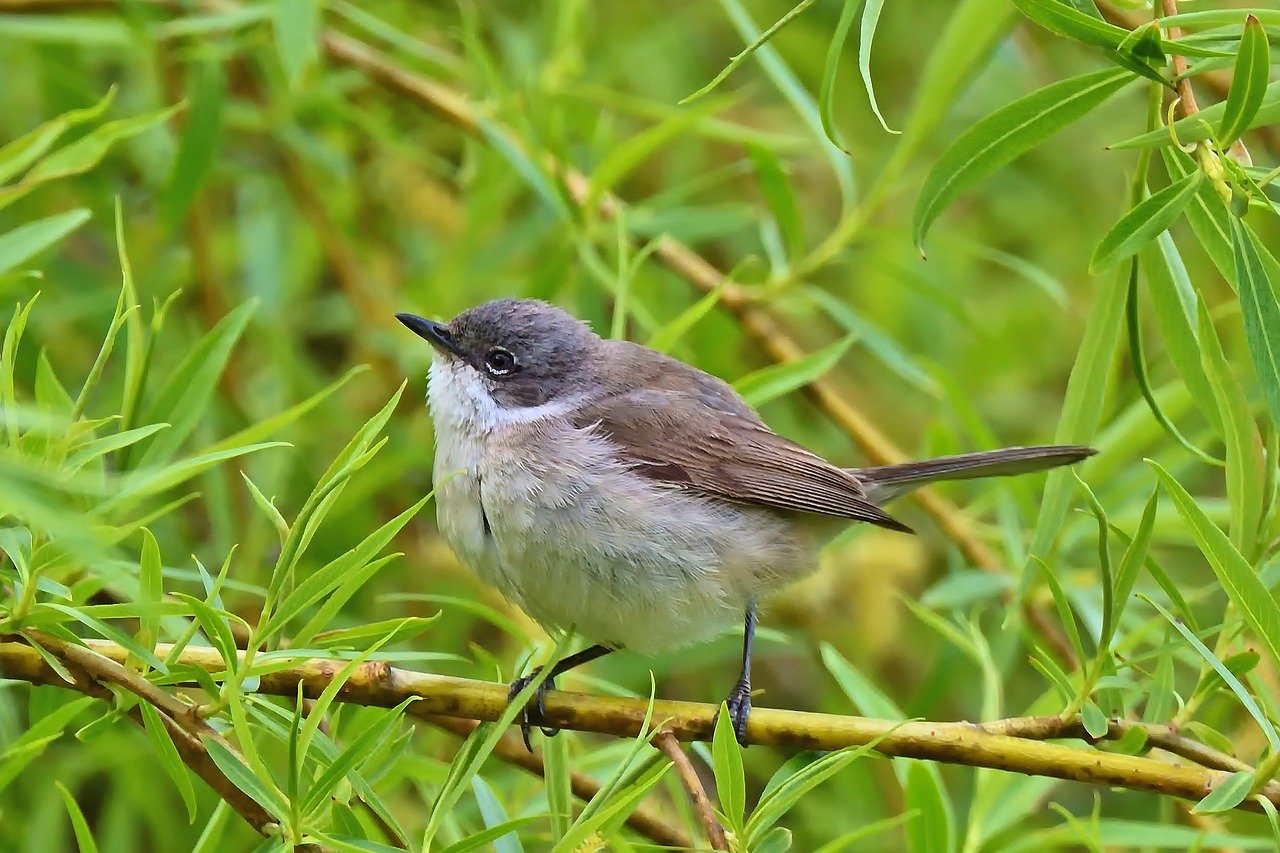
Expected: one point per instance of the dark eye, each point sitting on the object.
(500, 362)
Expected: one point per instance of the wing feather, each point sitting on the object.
(694, 438)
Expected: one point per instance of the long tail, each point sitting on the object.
(886, 482)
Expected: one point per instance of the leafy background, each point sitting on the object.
(268, 205)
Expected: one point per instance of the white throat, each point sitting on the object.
(461, 400)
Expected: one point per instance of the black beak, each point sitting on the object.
(436, 334)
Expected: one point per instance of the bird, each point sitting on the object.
(606, 487)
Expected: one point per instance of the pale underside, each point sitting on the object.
(546, 512)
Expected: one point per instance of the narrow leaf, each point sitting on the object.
(1238, 578)
(1007, 133)
(1248, 85)
(27, 240)
(742, 57)
(1260, 309)
(1144, 222)
(771, 382)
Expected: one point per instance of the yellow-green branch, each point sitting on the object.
(963, 743)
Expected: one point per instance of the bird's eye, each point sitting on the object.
(500, 362)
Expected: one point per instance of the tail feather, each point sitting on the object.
(885, 482)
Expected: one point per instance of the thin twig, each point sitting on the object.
(1186, 95)
(962, 743)
(1161, 736)
(668, 743)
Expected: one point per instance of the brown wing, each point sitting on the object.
(697, 434)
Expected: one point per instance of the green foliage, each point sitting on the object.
(210, 215)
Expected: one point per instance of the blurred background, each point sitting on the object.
(333, 163)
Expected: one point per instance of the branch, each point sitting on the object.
(93, 670)
(668, 743)
(1161, 736)
(962, 743)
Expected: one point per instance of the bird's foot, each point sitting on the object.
(538, 703)
(739, 704)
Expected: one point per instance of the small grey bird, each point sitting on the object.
(603, 485)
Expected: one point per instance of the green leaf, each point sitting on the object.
(1094, 721)
(150, 481)
(1201, 125)
(875, 340)
(216, 23)
(183, 399)
(971, 33)
(1007, 133)
(1248, 86)
(167, 753)
(667, 336)
(28, 240)
(1173, 303)
(751, 48)
(319, 709)
(776, 840)
(150, 589)
(866, 35)
(848, 841)
(831, 68)
(776, 187)
(1208, 216)
(1144, 222)
(198, 144)
(268, 508)
(477, 840)
(1260, 309)
(797, 94)
(100, 447)
(64, 29)
(1228, 793)
(1237, 577)
(559, 784)
(271, 425)
(1201, 730)
(328, 578)
(264, 793)
(731, 784)
(796, 778)
(493, 814)
(84, 837)
(83, 154)
(214, 624)
(19, 154)
(1081, 412)
(625, 157)
(297, 28)
(479, 745)
(1244, 447)
(31, 743)
(1135, 554)
(1088, 29)
(924, 793)
(769, 383)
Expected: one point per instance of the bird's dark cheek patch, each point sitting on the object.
(519, 392)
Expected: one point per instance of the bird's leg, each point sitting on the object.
(739, 699)
(538, 702)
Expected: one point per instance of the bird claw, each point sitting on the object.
(738, 703)
(538, 702)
